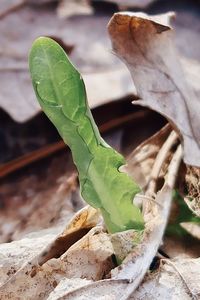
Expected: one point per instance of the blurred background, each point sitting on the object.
(34, 163)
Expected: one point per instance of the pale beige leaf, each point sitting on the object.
(176, 279)
(68, 8)
(14, 255)
(192, 228)
(69, 285)
(36, 265)
(146, 45)
(123, 4)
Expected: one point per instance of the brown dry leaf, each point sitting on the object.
(145, 44)
(175, 279)
(181, 247)
(36, 201)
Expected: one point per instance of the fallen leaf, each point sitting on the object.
(181, 247)
(145, 44)
(7, 7)
(33, 203)
(175, 279)
(68, 285)
(37, 271)
(192, 182)
(68, 8)
(192, 228)
(124, 4)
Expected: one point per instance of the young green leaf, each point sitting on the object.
(61, 93)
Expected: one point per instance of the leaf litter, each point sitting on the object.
(46, 266)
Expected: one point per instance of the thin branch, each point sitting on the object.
(159, 161)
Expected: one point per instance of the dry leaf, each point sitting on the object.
(124, 4)
(192, 228)
(68, 8)
(7, 7)
(175, 279)
(145, 44)
(35, 202)
(192, 181)
(68, 285)
(35, 270)
(181, 247)
(17, 97)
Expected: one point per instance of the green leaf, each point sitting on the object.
(61, 93)
(184, 215)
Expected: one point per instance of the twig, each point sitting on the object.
(174, 166)
(46, 151)
(160, 159)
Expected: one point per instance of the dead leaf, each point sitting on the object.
(192, 228)
(68, 8)
(15, 254)
(145, 44)
(68, 285)
(36, 271)
(33, 203)
(7, 7)
(17, 95)
(175, 279)
(192, 181)
(124, 4)
(180, 247)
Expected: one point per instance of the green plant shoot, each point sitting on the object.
(61, 93)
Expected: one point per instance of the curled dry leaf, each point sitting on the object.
(175, 279)
(146, 45)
